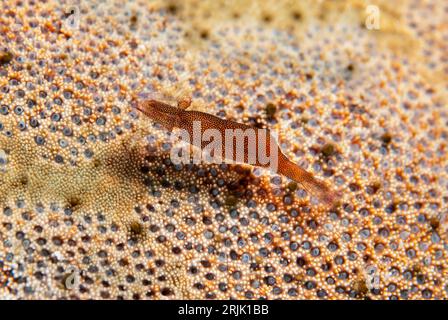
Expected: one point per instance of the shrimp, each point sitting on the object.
(178, 117)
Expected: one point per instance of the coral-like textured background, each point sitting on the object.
(92, 207)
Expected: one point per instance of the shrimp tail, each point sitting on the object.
(312, 185)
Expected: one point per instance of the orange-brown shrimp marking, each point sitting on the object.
(177, 117)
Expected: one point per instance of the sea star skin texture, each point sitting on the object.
(88, 192)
